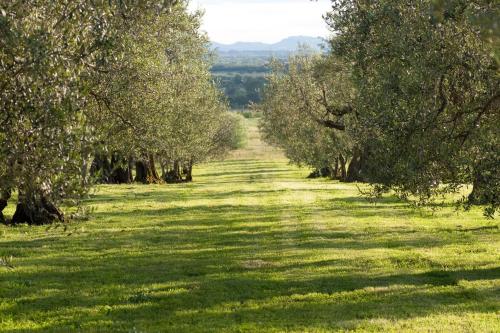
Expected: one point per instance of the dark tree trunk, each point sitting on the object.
(479, 194)
(355, 170)
(325, 171)
(114, 172)
(101, 169)
(36, 212)
(319, 173)
(189, 172)
(140, 172)
(3, 204)
(146, 171)
(4, 199)
(174, 175)
(119, 174)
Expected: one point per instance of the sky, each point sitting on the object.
(268, 21)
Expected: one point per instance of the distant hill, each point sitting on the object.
(289, 44)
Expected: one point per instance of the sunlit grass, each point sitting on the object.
(252, 246)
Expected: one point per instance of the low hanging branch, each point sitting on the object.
(492, 104)
(330, 110)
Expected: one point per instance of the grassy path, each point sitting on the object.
(252, 246)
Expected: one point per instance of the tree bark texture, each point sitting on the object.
(101, 168)
(37, 211)
(355, 169)
(479, 194)
(145, 171)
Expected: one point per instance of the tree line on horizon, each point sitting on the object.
(407, 100)
(103, 92)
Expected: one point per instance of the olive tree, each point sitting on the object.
(159, 102)
(52, 53)
(306, 117)
(427, 101)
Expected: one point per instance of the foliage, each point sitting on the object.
(84, 79)
(163, 104)
(427, 94)
(290, 96)
(50, 54)
(296, 108)
(249, 113)
(236, 137)
(241, 89)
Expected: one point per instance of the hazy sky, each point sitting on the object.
(268, 21)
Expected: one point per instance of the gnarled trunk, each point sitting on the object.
(140, 172)
(355, 169)
(119, 171)
(101, 169)
(319, 173)
(479, 194)
(37, 210)
(115, 171)
(188, 171)
(174, 175)
(153, 176)
(146, 171)
(315, 174)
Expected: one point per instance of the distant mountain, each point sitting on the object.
(289, 44)
(292, 43)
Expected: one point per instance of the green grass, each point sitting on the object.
(252, 246)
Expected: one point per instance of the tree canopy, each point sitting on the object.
(98, 80)
(422, 108)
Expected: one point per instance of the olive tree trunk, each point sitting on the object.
(480, 194)
(174, 175)
(101, 169)
(343, 169)
(36, 210)
(145, 171)
(188, 171)
(120, 173)
(355, 169)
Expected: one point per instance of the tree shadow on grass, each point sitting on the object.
(205, 296)
(247, 173)
(355, 207)
(358, 207)
(204, 253)
(224, 266)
